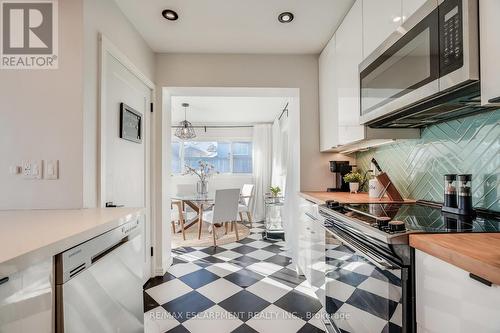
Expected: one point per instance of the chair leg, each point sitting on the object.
(225, 227)
(182, 228)
(200, 220)
(241, 217)
(250, 218)
(236, 230)
(173, 227)
(213, 235)
(232, 226)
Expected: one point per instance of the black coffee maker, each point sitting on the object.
(339, 169)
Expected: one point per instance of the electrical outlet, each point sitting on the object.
(51, 169)
(32, 169)
(26, 169)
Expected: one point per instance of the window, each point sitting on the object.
(242, 157)
(226, 156)
(176, 157)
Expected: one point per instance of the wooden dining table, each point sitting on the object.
(197, 202)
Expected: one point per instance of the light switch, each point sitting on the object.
(36, 169)
(52, 169)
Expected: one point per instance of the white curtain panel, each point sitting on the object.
(262, 165)
(279, 154)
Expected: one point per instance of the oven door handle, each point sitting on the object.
(374, 259)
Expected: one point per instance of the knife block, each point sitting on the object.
(391, 190)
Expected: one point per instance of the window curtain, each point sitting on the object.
(262, 165)
(278, 177)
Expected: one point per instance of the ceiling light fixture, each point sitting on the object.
(285, 17)
(185, 131)
(170, 15)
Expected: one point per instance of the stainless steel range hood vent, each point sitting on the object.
(459, 102)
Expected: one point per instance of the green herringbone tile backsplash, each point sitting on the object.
(467, 145)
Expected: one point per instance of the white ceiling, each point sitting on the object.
(207, 110)
(236, 26)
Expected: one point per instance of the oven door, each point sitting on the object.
(405, 68)
(363, 290)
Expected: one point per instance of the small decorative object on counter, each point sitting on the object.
(204, 171)
(462, 198)
(450, 191)
(353, 178)
(465, 193)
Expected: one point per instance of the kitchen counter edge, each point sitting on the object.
(478, 254)
(34, 235)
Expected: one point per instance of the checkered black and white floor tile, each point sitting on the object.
(246, 286)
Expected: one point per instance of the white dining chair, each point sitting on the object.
(179, 215)
(246, 202)
(224, 211)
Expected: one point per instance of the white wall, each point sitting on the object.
(270, 71)
(104, 16)
(41, 118)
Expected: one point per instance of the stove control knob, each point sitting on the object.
(396, 226)
(383, 222)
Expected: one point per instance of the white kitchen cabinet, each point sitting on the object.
(380, 19)
(448, 300)
(26, 300)
(349, 54)
(490, 51)
(311, 243)
(409, 7)
(328, 115)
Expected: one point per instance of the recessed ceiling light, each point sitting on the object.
(285, 17)
(169, 14)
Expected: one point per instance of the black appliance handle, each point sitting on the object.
(357, 246)
(4, 280)
(374, 161)
(494, 100)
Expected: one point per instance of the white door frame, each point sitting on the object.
(107, 47)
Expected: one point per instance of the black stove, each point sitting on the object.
(421, 217)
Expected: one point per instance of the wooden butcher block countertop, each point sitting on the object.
(478, 253)
(345, 197)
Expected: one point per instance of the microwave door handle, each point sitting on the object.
(376, 261)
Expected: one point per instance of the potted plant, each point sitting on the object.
(353, 178)
(275, 192)
(204, 171)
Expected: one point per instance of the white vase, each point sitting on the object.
(354, 187)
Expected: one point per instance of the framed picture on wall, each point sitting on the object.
(130, 124)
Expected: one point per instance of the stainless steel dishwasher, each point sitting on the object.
(99, 283)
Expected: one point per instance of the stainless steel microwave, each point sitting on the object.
(427, 71)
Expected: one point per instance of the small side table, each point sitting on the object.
(274, 218)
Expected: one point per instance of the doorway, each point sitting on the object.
(124, 161)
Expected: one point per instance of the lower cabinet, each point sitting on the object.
(26, 300)
(311, 254)
(448, 300)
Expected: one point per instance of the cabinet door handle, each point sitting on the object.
(4, 280)
(494, 100)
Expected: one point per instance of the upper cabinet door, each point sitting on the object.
(349, 54)
(380, 19)
(490, 51)
(328, 116)
(410, 7)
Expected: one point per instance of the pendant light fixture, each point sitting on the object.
(185, 130)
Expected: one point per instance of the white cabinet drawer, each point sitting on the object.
(448, 300)
(26, 300)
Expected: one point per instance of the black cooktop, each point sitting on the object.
(425, 218)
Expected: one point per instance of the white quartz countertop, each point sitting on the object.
(29, 236)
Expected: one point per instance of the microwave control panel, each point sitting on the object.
(451, 36)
